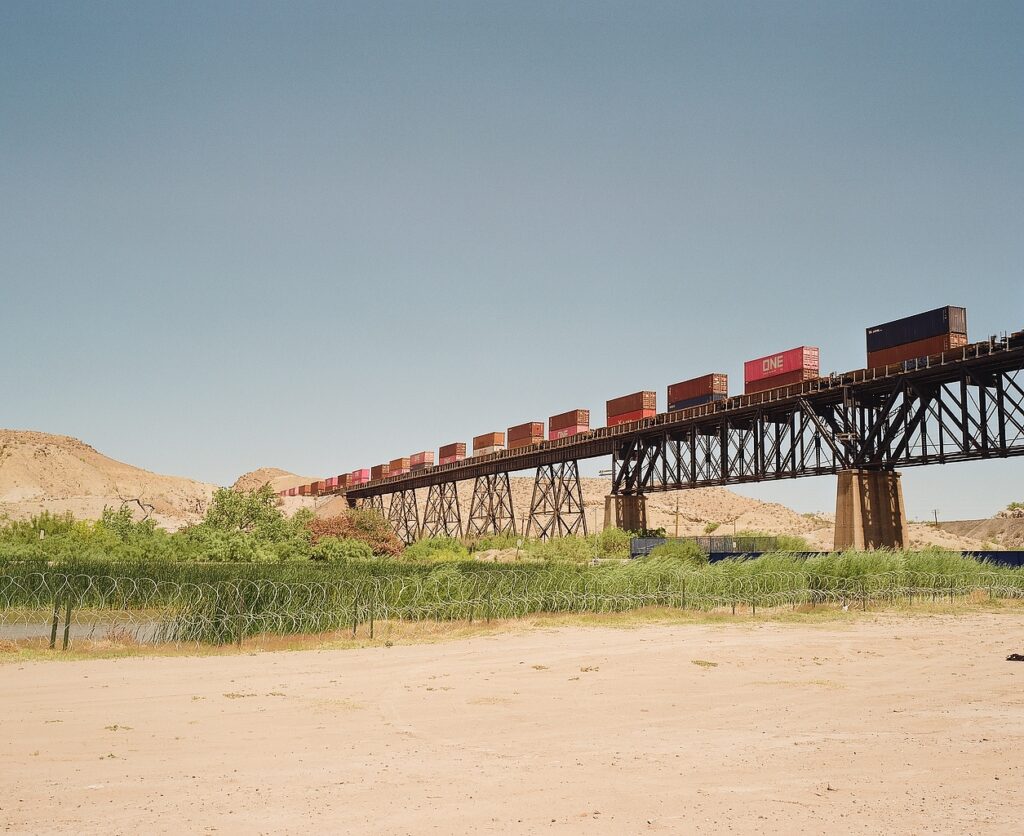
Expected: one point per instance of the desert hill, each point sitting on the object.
(57, 473)
(278, 479)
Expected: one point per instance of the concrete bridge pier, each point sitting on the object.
(626, 512)
(869, 510)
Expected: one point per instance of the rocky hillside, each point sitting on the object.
(57, 473)
(278, 479)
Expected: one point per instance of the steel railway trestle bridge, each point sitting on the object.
(965, 404)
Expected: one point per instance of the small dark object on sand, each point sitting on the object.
(1015, 657)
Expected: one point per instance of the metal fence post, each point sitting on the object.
(53, 627)
(67, 623)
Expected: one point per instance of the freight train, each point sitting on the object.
(892, 347)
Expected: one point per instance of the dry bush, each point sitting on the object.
(357, 524)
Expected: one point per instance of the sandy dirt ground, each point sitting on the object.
(885, 723)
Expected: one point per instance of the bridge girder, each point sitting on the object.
(913, 422)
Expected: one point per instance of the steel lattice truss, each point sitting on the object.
(374, 502)
(491, 511)
(556, 509)
(404, 516)
(442, 516)
(907, 421)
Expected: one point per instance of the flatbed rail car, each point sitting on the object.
(985, 348)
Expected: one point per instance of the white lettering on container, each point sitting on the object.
(770, 364)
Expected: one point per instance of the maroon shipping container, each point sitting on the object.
(631, 403)
(303, 490)
(343, 481)
(379, 471)
(635, 415)
(804, 358)
(572, 418)
(424, 457)
(458, 450)
(912, 351)
(789, 379)
(565, 432)
(293, 491)
(451, 459)
(531, 429)
(698, 387)
(489, 440)
(397, 467)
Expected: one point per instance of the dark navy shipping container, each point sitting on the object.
(700, 401)
(922, 326)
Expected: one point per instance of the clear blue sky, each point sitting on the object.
(321, 235)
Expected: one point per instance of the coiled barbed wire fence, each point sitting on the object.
(46, 606)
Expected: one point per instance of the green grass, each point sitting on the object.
(220, 603)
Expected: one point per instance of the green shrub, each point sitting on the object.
(613, 542)
(684, 552)
(341, 550)
(563, 549)
(435, 550)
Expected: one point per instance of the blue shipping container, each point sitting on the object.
(922, 326)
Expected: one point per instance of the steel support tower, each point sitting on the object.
(404, 515)
(556, 509)
(491, 511)
(442, 516)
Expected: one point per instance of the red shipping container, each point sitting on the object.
(343, 481)
(516, 443)
(709, 384)
(489, 440)
(782, 380)
(572, 418)
(379, 471)
(565, 432)
(451, 459)
(293, 491)
(531, 429)
(399, 466)
(330, 483)
(635, 415)
(424, 457)
(631, 403)
(915, 350)
(458, 449)
(359, 477)
(785, 362)
(303, 490)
